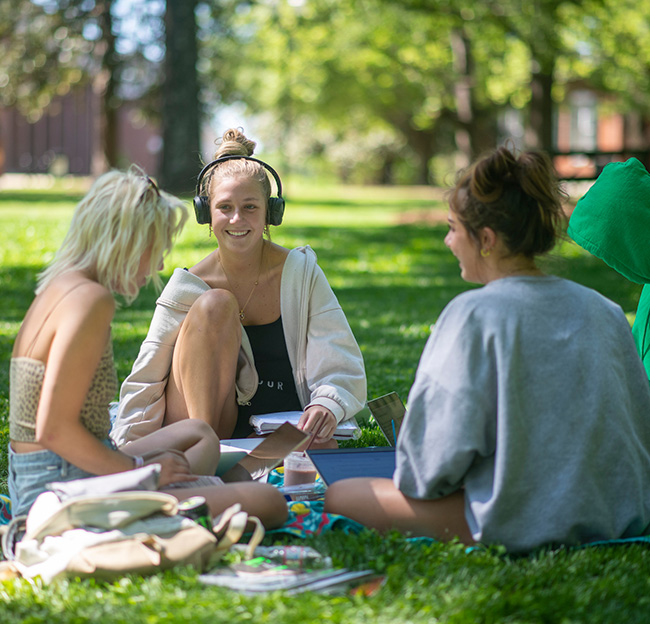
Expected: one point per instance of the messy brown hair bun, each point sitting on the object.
(517, 196)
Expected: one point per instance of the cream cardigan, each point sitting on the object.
(326, 361)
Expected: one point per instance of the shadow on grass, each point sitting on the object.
(344, 203)
(38, 197)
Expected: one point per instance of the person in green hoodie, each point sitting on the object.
(612, 221)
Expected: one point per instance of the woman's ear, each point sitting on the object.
(487, 239)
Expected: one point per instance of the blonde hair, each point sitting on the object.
(234, 143)
(113, 226)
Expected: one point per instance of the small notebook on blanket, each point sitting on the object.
(388, 410)
(265, 423)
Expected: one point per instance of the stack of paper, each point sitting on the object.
(266, 423)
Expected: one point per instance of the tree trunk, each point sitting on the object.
(541, 107)
(106, 154)
(461, 48)
(180, 109)
(422, 142)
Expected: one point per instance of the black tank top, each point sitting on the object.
(276, 391)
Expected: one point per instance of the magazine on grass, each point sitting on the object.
(266, 423)
(268, 571)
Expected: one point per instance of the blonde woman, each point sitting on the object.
(252, 328)
(62, 375)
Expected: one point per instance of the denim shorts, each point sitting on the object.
(29, 474)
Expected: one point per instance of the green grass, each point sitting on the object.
(393, 276)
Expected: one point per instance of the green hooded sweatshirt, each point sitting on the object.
(612, 221)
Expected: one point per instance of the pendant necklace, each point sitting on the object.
(255, 283)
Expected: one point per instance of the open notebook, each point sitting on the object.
(388, 410)
(260, 454)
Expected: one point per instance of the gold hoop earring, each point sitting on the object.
(485, 253)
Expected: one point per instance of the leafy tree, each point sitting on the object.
(357, 70)
(611, 43)
(48, 47)
(335, 63)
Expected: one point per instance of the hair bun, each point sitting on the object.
(493, 173)
(235, 143)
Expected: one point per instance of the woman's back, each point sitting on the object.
(540, 405)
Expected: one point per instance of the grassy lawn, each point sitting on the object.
(393, 275)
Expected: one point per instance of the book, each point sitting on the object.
(266, 423)
(234, 450)
(200, 481)
(265, 573)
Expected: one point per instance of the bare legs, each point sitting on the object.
(200, 444)
(378, 504)
(257, 499)
(195, 438)
(202, 379)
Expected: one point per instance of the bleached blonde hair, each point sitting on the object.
(113, 226)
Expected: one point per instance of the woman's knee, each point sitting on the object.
(276, 510)
(338, 496)
(201, 431)
(189, 435)
(214, 308)
(258, 499)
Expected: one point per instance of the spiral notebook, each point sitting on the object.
(265, 423)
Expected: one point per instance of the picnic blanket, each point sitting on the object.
(5, 509)
(307, 517)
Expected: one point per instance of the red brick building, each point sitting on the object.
(590, 132)
(65, 140)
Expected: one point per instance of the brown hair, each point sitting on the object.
(517, 196)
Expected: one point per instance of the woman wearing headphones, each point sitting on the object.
(253, 328)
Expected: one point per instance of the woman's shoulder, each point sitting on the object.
(526, 295)
(205, 268)
(277, 254)
(71, 302)
(76, 289)
(82, 299)
(302, 255)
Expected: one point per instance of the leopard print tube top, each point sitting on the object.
(25, 386)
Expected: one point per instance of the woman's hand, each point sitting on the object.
(174, 466)
(319, 421)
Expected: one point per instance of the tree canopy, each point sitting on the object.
(372, 89)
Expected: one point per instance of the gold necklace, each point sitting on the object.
(255, 283)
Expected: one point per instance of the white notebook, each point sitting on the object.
(265, 423)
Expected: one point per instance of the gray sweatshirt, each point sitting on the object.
(531, 396)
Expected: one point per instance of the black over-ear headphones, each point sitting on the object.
(202, 203)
